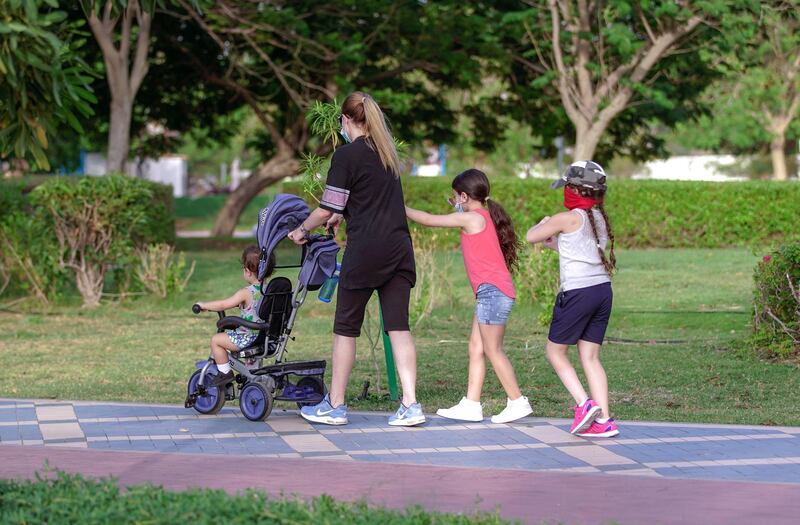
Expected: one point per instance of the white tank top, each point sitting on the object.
(579, 262)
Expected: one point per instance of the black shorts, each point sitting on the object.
(581, 314)
(351, 304)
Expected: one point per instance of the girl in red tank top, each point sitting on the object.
(489, 246)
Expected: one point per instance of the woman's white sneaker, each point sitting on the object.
(465, 410)
(514, 410)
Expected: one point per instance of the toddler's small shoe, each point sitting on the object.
(220, 379)
(516, 409)
(584, 415)
(407, 416)
(465, 410)
(597, 429)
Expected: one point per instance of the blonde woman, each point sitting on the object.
(364, 188)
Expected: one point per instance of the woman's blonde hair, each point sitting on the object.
(365, 112)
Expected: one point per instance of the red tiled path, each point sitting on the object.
(532, 497)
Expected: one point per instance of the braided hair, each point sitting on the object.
(610, 262)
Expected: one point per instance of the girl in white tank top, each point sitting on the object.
(578, 258)
(583, 305)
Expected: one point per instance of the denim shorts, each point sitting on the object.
(492, 305)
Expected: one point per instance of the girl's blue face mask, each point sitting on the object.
(342, 132)
(456, 204)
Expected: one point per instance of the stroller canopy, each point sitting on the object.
(284, 214)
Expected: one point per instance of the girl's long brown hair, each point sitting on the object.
(364, 111)
(475, 184)
(610, 262)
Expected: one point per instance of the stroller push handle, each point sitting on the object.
(316, 237)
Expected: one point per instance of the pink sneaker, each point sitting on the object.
(601, 430)
(584, 415)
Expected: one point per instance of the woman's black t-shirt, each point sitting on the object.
(371, 200)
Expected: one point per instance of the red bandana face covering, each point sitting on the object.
(574, 200)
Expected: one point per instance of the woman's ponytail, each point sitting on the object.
(365, 112)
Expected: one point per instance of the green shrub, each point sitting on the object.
(644, 214)
(96, 224)
(776, 301)
(68, 499)
(12, 199)
(28, 254)
(537, 280)
(159, 224)
(160, 271)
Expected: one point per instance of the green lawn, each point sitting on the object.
(676, 315)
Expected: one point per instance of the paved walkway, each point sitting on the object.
(531, 449)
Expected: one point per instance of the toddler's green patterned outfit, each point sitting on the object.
(243, 337)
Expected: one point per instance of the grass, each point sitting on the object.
(677, 317)
(67, 499)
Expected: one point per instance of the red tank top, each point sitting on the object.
(483, 258)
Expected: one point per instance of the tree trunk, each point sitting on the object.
(119, 133)
(777, 146)
(586, 140)
(282, 165)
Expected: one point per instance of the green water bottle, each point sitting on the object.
(329, 286)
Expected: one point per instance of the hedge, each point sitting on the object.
(158, 228)
(68, 499)
(141, 212)
(645, 214)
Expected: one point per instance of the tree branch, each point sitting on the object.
(125, 35)
(294, 95)
(140, 62)
(563, 89)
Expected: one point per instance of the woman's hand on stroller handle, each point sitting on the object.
(299, 236)
(333, 224)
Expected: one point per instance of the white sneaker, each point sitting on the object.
(465, 410)
(514, 410)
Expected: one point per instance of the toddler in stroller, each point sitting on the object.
(247, 299)
(240, 340)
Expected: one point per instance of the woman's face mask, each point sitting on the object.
(342, 131)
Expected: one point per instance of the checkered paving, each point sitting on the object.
(643, 449)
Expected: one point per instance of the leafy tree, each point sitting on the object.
(758, 98)
(280, 57)
(172, 96)
(613, 66)
(43, 82)
(122, 30)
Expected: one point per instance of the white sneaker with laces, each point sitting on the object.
(465, 410)
(514, 410)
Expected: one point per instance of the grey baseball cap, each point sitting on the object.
(583, 173)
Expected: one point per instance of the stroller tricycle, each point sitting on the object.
(258, 386)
